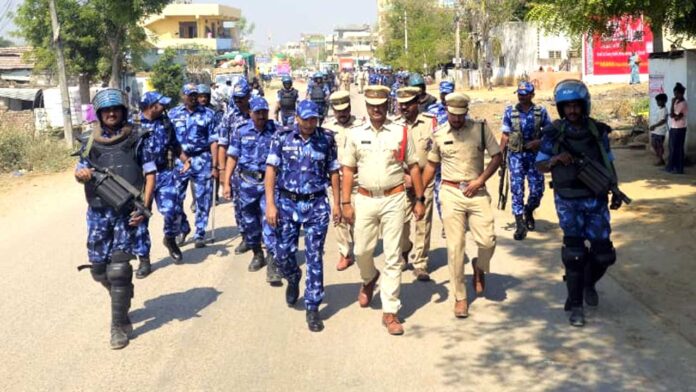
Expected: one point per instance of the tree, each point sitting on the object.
(120, 19)
(168, 76)
(481, 19)
(245, 30)
(430, 34)
(592, 17)
(296, 62)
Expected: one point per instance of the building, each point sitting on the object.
(292, 49)
(352, 41)
(13, 68)
(181, 25)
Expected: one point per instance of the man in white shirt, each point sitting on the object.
(658, 129)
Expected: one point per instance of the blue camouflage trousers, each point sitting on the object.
(199, 173)
(521, 165)
(586, 217)
(236, 203)
(167, 199)
(108, 231)
(313, 216)
(252, 203)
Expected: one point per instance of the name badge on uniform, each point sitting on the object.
(449, 142)
(247, 138)
(366, 142)
(289, 148)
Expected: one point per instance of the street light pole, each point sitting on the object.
(62, 78)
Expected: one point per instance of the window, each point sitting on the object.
(188, 30)
(554, 54)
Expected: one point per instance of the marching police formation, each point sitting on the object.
(299, 172)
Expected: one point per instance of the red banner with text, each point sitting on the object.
(610, 55)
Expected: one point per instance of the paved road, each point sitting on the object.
(211, 325)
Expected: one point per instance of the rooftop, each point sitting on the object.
(11, 58)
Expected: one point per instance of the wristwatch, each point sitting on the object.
(421, 199)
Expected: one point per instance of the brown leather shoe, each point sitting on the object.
(343, 263)
(392, 323)
(479, 279)
(421, 275)
(404, 257)
(366, 292)
(461, 309)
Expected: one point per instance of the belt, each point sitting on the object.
(459, 185)
(388, 192)
(301, 197)
(256, 175)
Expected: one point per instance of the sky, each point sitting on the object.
(284, 20)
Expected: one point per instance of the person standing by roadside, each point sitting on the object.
(658, 129)
(677, 132)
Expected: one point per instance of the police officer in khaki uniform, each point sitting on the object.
(420, 128)
(377, 151)
(459, 147)
(340, 125)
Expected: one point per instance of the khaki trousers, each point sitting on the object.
(344, 231)
(457, 209)
(421, 241)
(371, 215)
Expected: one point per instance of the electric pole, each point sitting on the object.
(62, 78)
(457, 39)
(405, 32)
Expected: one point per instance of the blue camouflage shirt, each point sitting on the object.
(303, 165)
(194, 129)
(548, 142)
(251, 147)
(229, 124)
(439, 110)
(159, 141)
(526, 121)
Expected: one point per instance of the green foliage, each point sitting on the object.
(19, 151)
(203, 58)
(641, 105)
(167, 76)
(4, 42)
(578, 17)
(245, 30)
(296, 62)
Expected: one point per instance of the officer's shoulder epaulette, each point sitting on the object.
(440, 127)
(358, 122)
(428, 115)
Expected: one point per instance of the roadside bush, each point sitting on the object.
(19, 151)
(641, 105)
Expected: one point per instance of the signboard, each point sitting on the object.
(608, 55)
(656, 85)
(283, 67)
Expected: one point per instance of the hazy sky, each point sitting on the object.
(284, 20)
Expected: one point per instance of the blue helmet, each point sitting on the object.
(109, 97)
(318, 75)
(286, 79)
(416, 79)
(572, 90)
(203, 89)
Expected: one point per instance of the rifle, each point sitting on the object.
(116, 191)
(596, 176)
(504, 185)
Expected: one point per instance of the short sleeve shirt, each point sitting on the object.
(303, 165)
(421, 131)
(680, 108)
(251, 147)
(460, 151)
(194, 129)
(376, 153)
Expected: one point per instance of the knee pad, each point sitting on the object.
(120, 256)
(119, 273)
(603, 252)
(98, 272)
(573, 253)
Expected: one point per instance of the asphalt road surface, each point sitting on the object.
(208, 324)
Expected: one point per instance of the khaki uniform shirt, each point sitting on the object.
(340, 133)
(376, 152)
(460, 152)
(421, 131)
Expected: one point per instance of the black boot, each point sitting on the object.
(144, 268)
(272, 275)
(173, 248)
(593, 273)
(574, 283)
(120, 275)
(181, 240)
(258, 261)
(314, 322)
(520, 228)
(292, 292)
(529, 218)
(242, 248)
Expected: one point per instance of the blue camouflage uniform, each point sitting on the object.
(583, 217)
(439, 110)
(160, 143)
(195, 133)
(373, 78)
(107, 229)
(250, 147)
(521, 163)
(304, 168)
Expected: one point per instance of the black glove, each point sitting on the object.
(616, 202)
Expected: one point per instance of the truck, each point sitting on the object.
(233, 66)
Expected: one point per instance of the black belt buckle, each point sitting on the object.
(256, 175)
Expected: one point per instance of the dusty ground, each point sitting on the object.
(210, 325)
